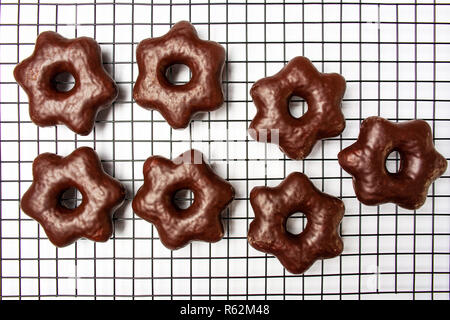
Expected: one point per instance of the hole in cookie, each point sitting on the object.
(178, 74)
(296, 223)
(393, 162)
(183, 199)
(297, 106)
(70, 198)
(63, 82)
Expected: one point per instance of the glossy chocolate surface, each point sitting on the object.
(178, 103)
(102, 194)
(420, 163)
(154, 201)
(77, 108)
(322, 92)
(272, 207)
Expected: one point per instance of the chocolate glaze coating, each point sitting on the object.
(272, 206)
(323, 93)
(102, 194)
(420, 163)
(177, 227)
(77, 108)
(180, 45)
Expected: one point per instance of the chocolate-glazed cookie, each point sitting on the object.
(420, 163)
(154, 201)
(178, 103)
(272, 207)
(102, 194)
(77, 108)
(273, 122)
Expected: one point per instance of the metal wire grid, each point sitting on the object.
(395, 59)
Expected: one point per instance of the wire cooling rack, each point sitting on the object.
(395, 58)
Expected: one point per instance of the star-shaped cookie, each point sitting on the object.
(102, 194)
(420, 163)
(178, 103)
(273, 122)
(154, 201)
(272, 207)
